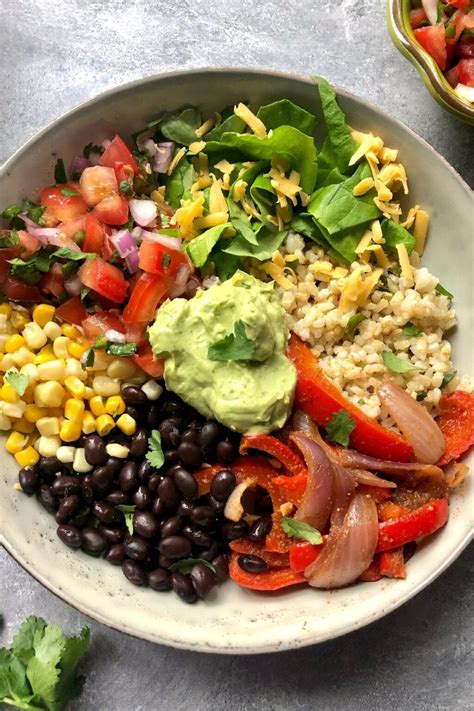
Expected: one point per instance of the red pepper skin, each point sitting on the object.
(267, 581)
(303, 554)
(244, 546)
(456, 422)
(317, 396)
(376, 493)
(392, 564)
(372, 574)
(276, 448)
(421, 522)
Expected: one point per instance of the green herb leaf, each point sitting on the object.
(446, 379)
(35, 213)
(178, 185)
(30, 270)
(121, 349)
(396, 364)
(421, 395)
(187, 564)
(340, 427)
(300, 530)
(11, 240)
(100, 343)
(409, 329)
(181, 128)
(88, 361)
(68, 192)
(353, 322)
(200, 247)
(286, 113)
(12, 211)
(60, 176)
(14, 687)
(339, 135)
(19, 381)
(128, 511)
(155, 452)
(226, 265)
(235, 346)
(394, 234)
(231, 124)
(91, 148)
(125, 187)
(66, 253)
(439, 288)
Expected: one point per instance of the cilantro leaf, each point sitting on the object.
(43, 669)
(446, 379)
(128, 510)
(68, 192)
(88, 361)
(60, 176)
(396, 364)
(185, 566)
(235, 346)
(125, 187)
(30, 270)
(70, 685)
(11, 240)
(91, 148)
(353, 322)
(421, 395)
(66, 253)
(409, 329)
(14, 687)
(19, 381)
(12, 211)
(121, 349)
(23, 641)
(100, 342)
(340, 427)
(302, 531)
(441, 290)
(35, 213)
(155, 453)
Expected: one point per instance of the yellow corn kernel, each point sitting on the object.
(24, 426)
(14, 343)
(55, 412)
(7, 362)
(127, 424)
(74, 386)
(52, 330)
(27, 457)
(70, 331)
(115, 405)
(45, 357)
(88, 393)
(70, 431)
(104, 424)
(52, 370)
(76, 350)
(33, 413)
(48, 426)
(8, 393)
(14, 409)
(88, 423)
(97, 406)
(49, 394)
(34, 336)
(5, 309)
(42, 314)
(73, 367)
(16, 442)
(121, 369)
(23, 356)
(105, 386)
(18, 320)
(74, 409)
(60, 346)
(31, 371)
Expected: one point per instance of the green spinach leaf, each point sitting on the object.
(286, 113)
(339, 134)
(201, 246)
(394, 234)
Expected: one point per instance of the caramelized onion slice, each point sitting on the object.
(364, 477)
(344, 490)
(318, 499)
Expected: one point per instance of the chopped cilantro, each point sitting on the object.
(128, 511)
(396, 364)
(302, 531)
(68, 192)
(235, 346)
(155, 453)
(441, 290)
(420, 395)
(11, 240)
(60, 176)
(166, 260)
(125, 187)
(66, 253)
(353, 322)
(18, 381)
(88, 361)
(187, 564)
(121, 349)
(447, 379)
(409, 329)
(340, 427)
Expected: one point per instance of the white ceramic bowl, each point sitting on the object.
(234, 620)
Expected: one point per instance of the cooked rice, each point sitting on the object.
(354, 362)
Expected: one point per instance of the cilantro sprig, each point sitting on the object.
(155, 452)
(339, 428)
(301, 530)
(235, 346)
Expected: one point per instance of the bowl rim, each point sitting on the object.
(429, 71)
(268, 646)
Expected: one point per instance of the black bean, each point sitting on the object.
(94, 450)
(118, 497)
(185, 508)
(87, 490)
(199, 538)
(208, 434)
(263, 505)
(226, 452)
(128, 477)
(112, 533)
(183, 587)
(185, 482)
(158, 507)
(221, 566)
(210, 553)
(159, 579)
(93, 541)
(114, 465)
(230, 531)
(68, 508)
(136, 548)
(154, 482)
(204, 516)
(133, 571)
(171, 526)
(164, 562)
(223, 484)
(170, 434)
(218, 506)
(50, 466)
(145, 524)
(102, 479)
(154, 417)
(134, 412)
(171, 457)
(171, 407)
(133, 395)
(168, 492)
(29, 479)
(175, 547)
(70, 535)
(139, 443)
(81, 518)
(65, 485)
(47, 498)
(252, 563)
(142, 498)
(116, 554)
(144, 470)
(202, 579)
(190, 454)
(260, 529)
(105, 512)
(190, 435)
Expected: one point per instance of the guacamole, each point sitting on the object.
(240, 319)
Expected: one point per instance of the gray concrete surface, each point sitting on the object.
(53, 55)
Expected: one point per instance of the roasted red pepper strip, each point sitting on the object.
(421, 522)
(372, 574)
(243, 546)
(268, 580)
(317, 396)
(376, 493)
(392, 564)
(303, 554)
(276, 448)
(456, 422)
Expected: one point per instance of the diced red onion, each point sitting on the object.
(233, 508)
(73, 285)
(124, 243)
(181, 280)
(163, 156)
(318, 498)
(115, 336)
(132, 261)
(414, 421)
(142, 139)
(344, 490)
(144, 212)
(106, 143)
(165, 240)
(150, 147)
(79, 164)
(431, 9)
(369, 479)
(349, 548)
(29, 224)
(53, 236)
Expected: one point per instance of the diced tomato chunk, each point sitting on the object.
(118, 152)
(452, 75)
(112, 210)
(466, 47)
(28, 243)
(157, 259)
(72, 227)
(98, 183)
(104, 278)
(60, 204)
(53, 282)
(433, 41)
(460, 4)
(72, 311)
(148, 292)
(417, 17)
(6, 253)
(95, 234)
(466, 71)
(152, 365)
(100, 322)
(19, 291)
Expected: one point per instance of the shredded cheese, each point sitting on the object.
(364, 242)
(201, 182)
(377, 234)
(224, 166)
(254, 123)
(186, 214)
(238, 192)
(388, 209)
(217, 218)
(404, 260)
(250, 209)
(206, 126)
(217, 201)
(178, 157)
(356, 290)
(380, 255)
(408, 223)
(363, 187)
(388, 155)
(420, 230)
(276, 272)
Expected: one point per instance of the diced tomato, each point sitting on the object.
(62, 206)
(100, 322)
(72, 311)
(124, 171)
(118, 152)
(152, 365)
(452, 75)
(95, 234)
(28, 244)
(433, 41)
(19, 291)
(417, 17)
(104, 278)
(53, 281)
(460, 4)
(466, 71)
(136, 332)
(6, 253)
(148, 292)
(108, 248)
(157, 259)
(450, 54)
(97, 183)
(456, 422)
(112, 210)
(466, 47)
(72, 227)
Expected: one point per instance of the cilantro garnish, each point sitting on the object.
(340, 427)
(409, 329)
(235, 346)
(60, 176)
(68, 192)
(441, 290)
(125, 187)
(66, 253)
(353, 322)
(166, 260)
(446, 379)
(91, 148)
(128, 511)
(155, 453)
(396, 364)
(121, 349)
(11, 240)
(185, 566)
(302, 531)
(19, 381)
